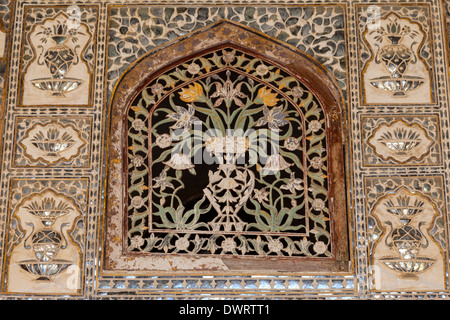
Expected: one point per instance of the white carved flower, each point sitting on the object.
(227, 92)
(228, 245)
(157, 89)
(276, 163)
(262, 70)
(138, 124)
(184, 117)
(317, 162)
(193, 68)
(163, 140)
(291, 143)
(314, 126)
(274, 117)
(297, 92)
(320, 247)
(182, 244)
(293, 184)
(136, 242)
(318, 204)
(162, 182)
(261, 195)
(275, 245)
(138, 161)
(137, 202)
(179, 161)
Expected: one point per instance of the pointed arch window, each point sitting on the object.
(226, 155)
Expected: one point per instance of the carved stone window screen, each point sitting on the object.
(210, 76)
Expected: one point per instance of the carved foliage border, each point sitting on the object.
(317, 30)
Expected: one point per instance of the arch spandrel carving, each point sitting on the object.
(217, 77)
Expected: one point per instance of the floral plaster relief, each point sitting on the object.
(400, 141)
(52, 142)
(405, 255)
(44, 258)
(396, 74)
(58, 74)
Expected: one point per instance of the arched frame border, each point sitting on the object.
(225, 33)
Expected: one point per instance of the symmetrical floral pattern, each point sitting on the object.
(52, 142)
(397, 68)
(400, 142)
(45, 241)
(220, 109)
(405, 140)
(58, 67)
(45, 142)
(316, 30)
(406, 234)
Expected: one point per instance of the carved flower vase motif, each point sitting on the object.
(48, 210)
(406, 239)
(231, 185)
(60, 58)
(45, 241)
(46, 244)
(404, 250)
(58, 48)
(396, 68)
(395, 56)
(46, 249)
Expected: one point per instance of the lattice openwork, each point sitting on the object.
(227, 154)
(236, 150)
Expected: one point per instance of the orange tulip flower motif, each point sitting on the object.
(274, 117)
(192, 93)
(266, 97)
